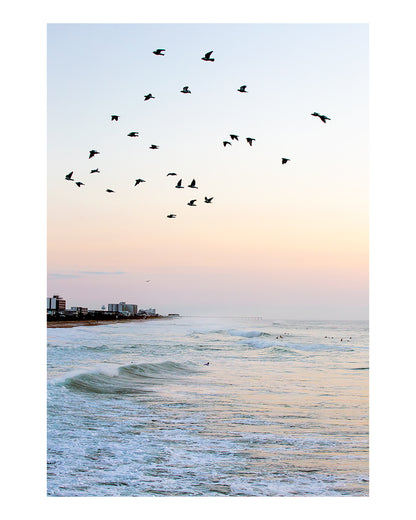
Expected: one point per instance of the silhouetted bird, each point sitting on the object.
(133, 134)
(179, 184)
(153, 147)
(250, 140)
(321, 117)
(114, 118)
(234, 137)
(226, 142)
(138, 181)
(159, 52)
(92, 153)
(192, 202)
(171, 215)
(284, 160)
(148, 96)
(206, 364)
(207, 56)
(69, 177)
(171, 173)
(208, 200)
(110, 191)
(242, 88)
(79, 184)
(95, 171)
(186, 90)
(192, 185)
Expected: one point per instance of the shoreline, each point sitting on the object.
(61, 324)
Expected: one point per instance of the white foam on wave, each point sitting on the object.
(207, 330)
(259, 343)
(107, 370)
(230, 332)
(245, 333)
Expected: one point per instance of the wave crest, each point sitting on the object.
(247, 333)
(126, 379)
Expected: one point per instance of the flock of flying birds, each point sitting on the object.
(185, 90)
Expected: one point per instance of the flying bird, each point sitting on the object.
(95, 171)
(138, 181)
(192, 185)
(208, 200)
(148, 96)
(179, 184)
(250, 140)
(234, 137)
(284, 160)
(321, 117)
(69, 177)
(171, 215)
(226, 142)
(133, 134)
(186, 90)
(207, 56)
(114, 118)
(171, 173)
(79, 184)
(192, 202)
(153, 146)
(92, 153)
(159, 52)
(242, 88)
(110, 191)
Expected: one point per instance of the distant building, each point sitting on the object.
(80, 310)
(56, 303)
(123, 308)
(148, 312)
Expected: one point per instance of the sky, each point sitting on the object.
(279, 241)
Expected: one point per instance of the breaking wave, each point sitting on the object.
(259, 343)
(127, 379)
(230, 332)
(247, 333)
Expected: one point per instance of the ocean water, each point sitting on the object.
(208, 407)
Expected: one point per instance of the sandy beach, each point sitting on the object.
(84, 323)
(67, 324)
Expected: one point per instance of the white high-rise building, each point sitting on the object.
(122, 307)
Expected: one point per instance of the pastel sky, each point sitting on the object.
(284, 241)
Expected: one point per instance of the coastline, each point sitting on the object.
(88, 323)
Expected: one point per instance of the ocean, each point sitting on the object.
(208, 407)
